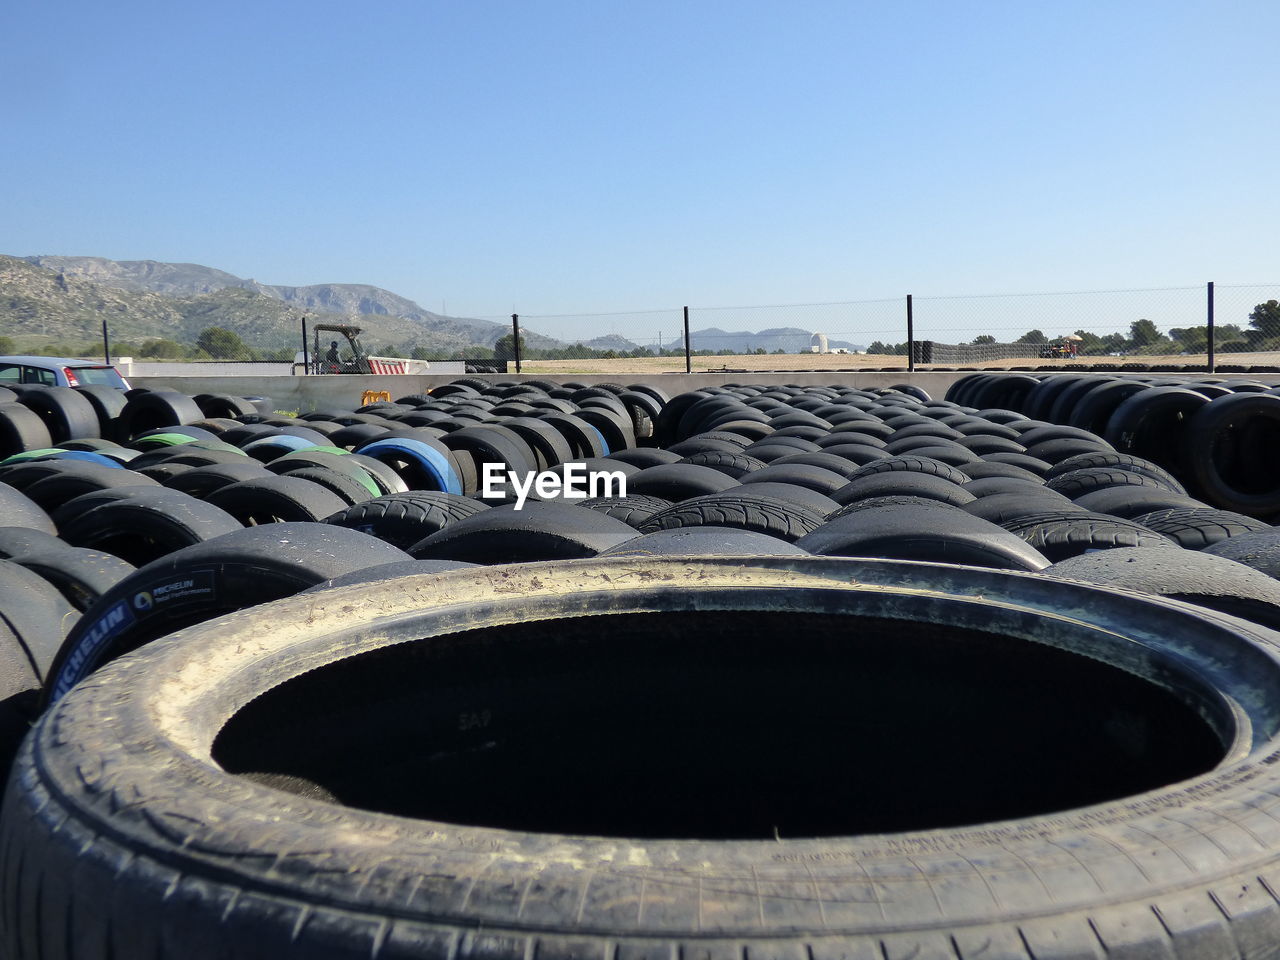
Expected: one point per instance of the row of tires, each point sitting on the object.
(391, 716)
(1217, 435)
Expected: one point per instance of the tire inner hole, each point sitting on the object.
(718, 725)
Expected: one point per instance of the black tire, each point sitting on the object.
(739, 510)
(585, 440)
(35, 612)
(339, 482)
(538, 532)
(1122, 461)
(952, 454)
(80, 478)
(679, 481)
(990, 486)
(615, 426)
(358, 434)
(1055, 451)
(750, 431)
(66, 413)
(1064, 402)
(199, 482)
(1199, 578)
(80, 575)
(666, 429)
(770, 451)
(1000, 508)
(1130, 502)
(387, 480)
(107, 403)
(32, 614)
(703, 542)
(1061, 535)
(822, 480)
(1030, 464)
(632, 509)
(1093, 411)
(141, 525)
(981, 444)
(153, 409)
(19, 510)
(403, 519)
(319, 457)
(223, 405)
(842, 466)
(1152, 425)
(1056, 431)
(992, 468)
(857, 453)
(1039, 400)
(928, 429)
(903, 483)
(276, 500)
(1259, 550)
(241, 569)
(21, 429)
(735, 465)
(696, 446)
(1197, 528)
(1234, 451)
(1075, 483)
(645, 457)
(819, 503)
(908, 463)
(937, 534)
(546, 442)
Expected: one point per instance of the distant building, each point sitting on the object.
(818, 344)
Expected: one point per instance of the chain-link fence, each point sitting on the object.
(1163, 325)
(1189, 325)
(1047, 326)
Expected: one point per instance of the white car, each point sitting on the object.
(59, 372)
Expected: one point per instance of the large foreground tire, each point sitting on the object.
(1140, 821)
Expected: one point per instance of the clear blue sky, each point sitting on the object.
(574, 157)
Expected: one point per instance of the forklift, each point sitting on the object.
(322, 361)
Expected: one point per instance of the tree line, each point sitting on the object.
(1145, 338)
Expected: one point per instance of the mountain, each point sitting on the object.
(69, 297)
(786, 339)
(612, 341)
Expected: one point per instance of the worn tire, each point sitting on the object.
(739, 510)
(116, 809)
(403, 519)
(1060, 535)
(243, 568)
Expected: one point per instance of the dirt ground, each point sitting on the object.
(799, 362)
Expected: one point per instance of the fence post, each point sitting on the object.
(911, 338)
(688, 357)
(306, 356)
(1210, 364)
(515, 328)
(106, 345)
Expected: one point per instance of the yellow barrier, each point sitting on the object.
(372, 396)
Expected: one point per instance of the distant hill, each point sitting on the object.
(69, 297)
(612, 341)
(66, 298)
(786, 339)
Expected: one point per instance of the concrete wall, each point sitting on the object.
(343, 392)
